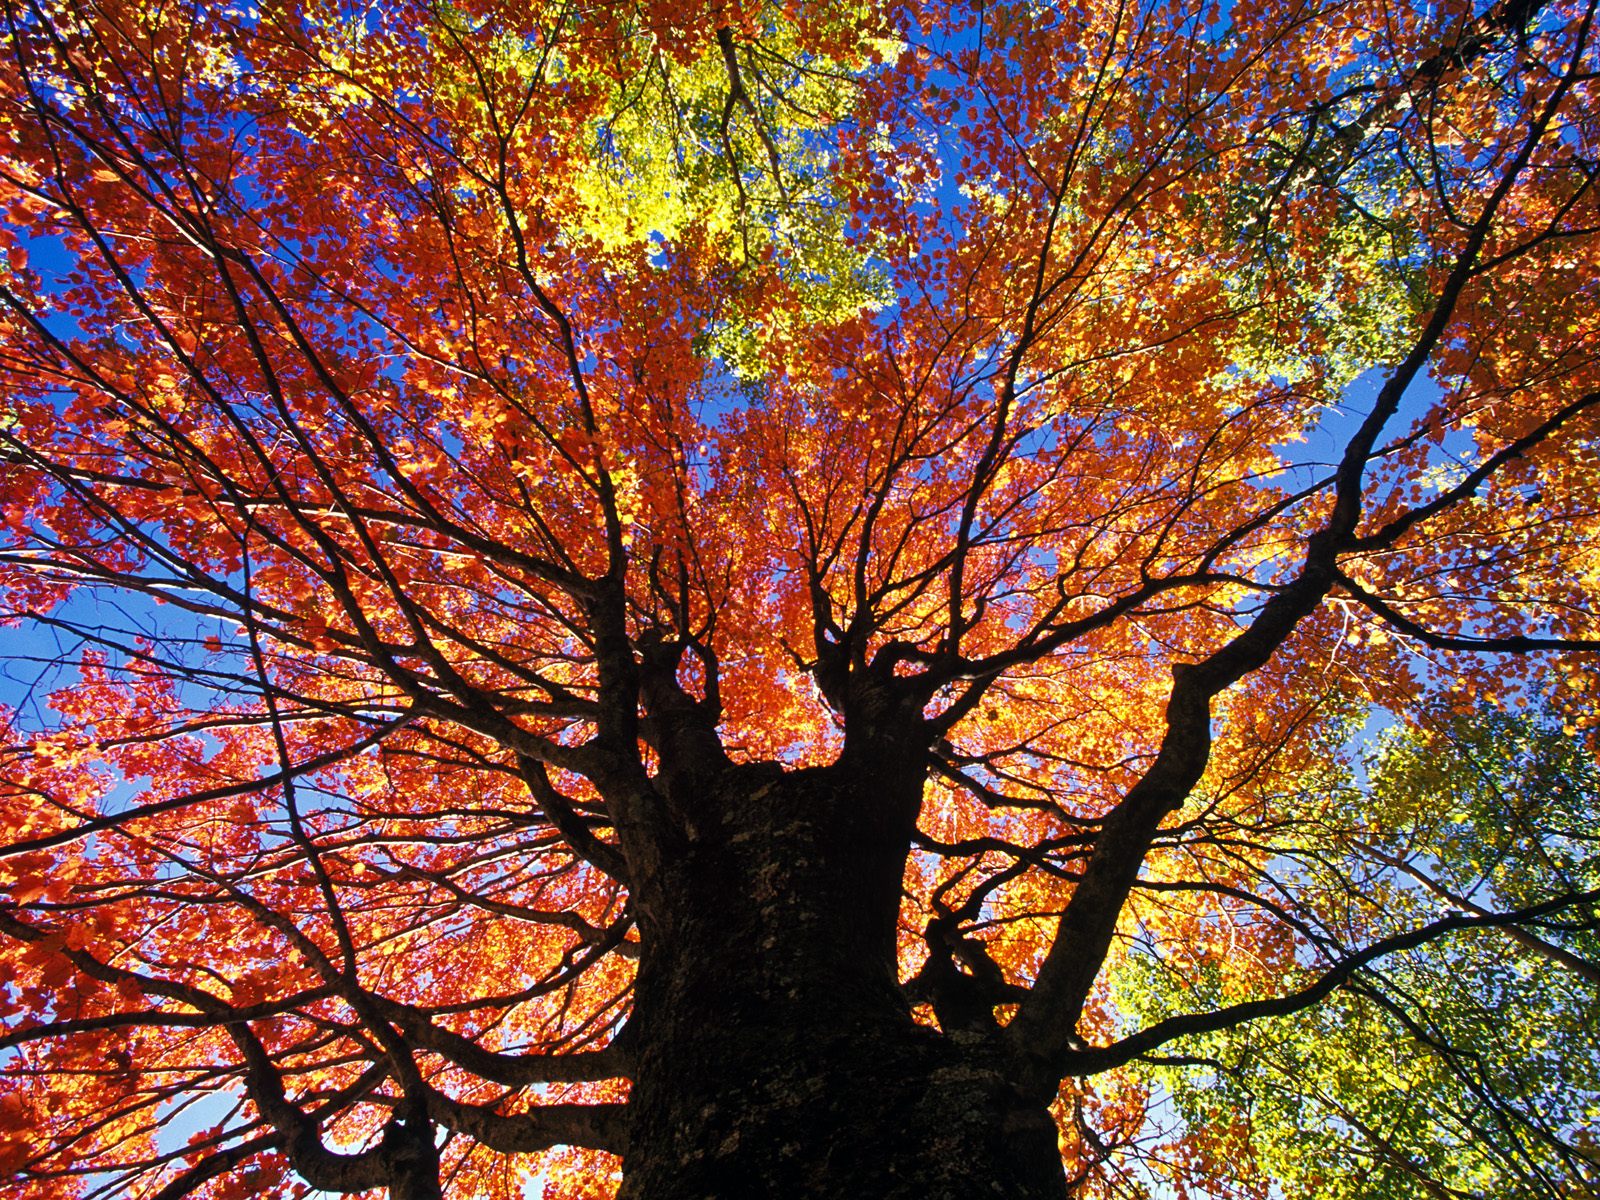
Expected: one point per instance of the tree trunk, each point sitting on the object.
(775, 1051)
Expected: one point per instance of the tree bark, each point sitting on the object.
(776, 1055)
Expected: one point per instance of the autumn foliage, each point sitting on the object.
(537, 537)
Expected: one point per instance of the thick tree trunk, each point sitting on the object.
(776, 1056)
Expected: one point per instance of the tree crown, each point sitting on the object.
(457, 454)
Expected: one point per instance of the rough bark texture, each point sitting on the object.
(776, 1054)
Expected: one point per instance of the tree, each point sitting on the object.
(1462, 1066)
(761, 589)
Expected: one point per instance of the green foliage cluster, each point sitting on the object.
(736, 147)
(1469, 1066)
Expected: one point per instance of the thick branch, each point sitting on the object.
(596, 1126)
(1094, 1059)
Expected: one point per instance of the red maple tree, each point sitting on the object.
(704, 583)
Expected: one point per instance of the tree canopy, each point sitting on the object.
(681, 596)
